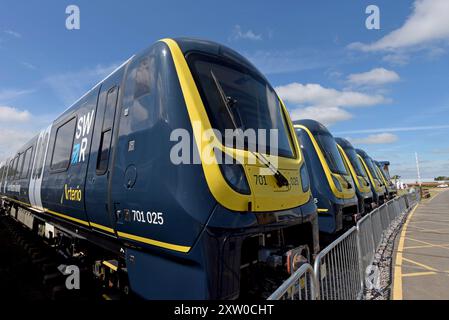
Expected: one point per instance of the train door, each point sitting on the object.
(37, 171)
(63, 186)
(98, 173)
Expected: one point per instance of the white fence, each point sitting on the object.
(340, 269)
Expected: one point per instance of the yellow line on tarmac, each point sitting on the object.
(425, 246)
(397, 284)
(433, 245)
(418, 274)
(422, 265)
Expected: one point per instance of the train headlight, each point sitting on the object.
(235, 176)
(337, 183)
(305, 180)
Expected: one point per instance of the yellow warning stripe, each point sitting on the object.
(161, 244)
(101, 227)
(153, 242)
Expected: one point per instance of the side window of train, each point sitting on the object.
(27, 163)
(10, 170)
(142, 79)
(106, 131)
(20, 166)
(14, 167)
(63, 146)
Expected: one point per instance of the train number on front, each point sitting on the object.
(148, 217)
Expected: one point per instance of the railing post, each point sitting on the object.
(359, 251)
(316, 276)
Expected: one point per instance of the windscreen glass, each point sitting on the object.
(355, 162)
(372, 168)
(238, 98)
(329, 148)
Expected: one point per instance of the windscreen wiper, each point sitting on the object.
(281, 180)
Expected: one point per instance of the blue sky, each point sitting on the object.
(386, 90)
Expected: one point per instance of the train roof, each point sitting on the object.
(362, 153)
(313, 125)
(344, 143)
(190, 45)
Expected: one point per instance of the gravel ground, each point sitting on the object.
(383, 261)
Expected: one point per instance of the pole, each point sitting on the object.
(419, 174)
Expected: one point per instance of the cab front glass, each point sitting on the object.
(236, 97)
(329, 148)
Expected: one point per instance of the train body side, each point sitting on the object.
(104, 167)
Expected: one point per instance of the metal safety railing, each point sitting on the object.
(300, 286)
(339, 269)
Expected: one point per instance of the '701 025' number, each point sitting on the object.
(148, 217)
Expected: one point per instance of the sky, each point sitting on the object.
(384, 89)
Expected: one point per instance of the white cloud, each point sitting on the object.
(12, 139)
(238, 34)
(28, 65)
(397, 129)
(397, 58)
(326, 105)
(441, 151)
(293, 60)
(71, 86)
(16, 128)
(374, 77)
(428, 23)
(327, 116)
(11, 94)
(12, 33)
(327, 97)
(319, 96)
(381, 138)
(9, 114)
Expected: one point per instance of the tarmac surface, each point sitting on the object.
(421, 266)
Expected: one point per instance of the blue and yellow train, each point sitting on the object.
(377, 185)
(359, 175)
(332, 185)
(102, 176)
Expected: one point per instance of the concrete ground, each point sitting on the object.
(421, 258)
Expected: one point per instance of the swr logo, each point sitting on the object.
(82, 131)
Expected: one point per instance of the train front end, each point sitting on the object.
(385, 175)
(332, 184)
(239, 206)
(377, 186)
(359, 175)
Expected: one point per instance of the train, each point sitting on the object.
(332, 184)
(359, 176)
(105, 173)
(391, 190)
(377, 185)
(135, 182)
